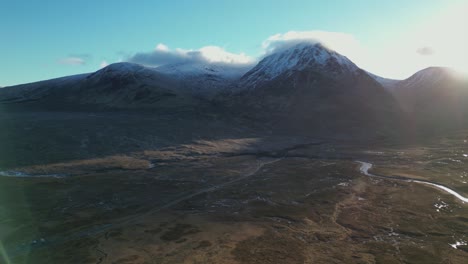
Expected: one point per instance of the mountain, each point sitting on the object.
(128, 85)
(311, 88)
(32, 92)
(434, 99)
(205, 79)
(306, 88)
(300, 57)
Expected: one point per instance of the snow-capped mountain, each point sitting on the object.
(205, 79)
(131, 85)
(310, 87)
(303, 56)
(191, 69)
(307, 86)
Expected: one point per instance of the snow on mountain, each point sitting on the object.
(297, 58)
(205, 79)
(124, 70)
(199, 69)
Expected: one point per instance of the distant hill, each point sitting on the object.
(434, 99)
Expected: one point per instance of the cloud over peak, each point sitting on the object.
(341, 42)
(163, 55)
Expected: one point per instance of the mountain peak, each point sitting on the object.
(299, 57)
(434, 72)
(429, 76)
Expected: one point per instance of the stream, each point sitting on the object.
(365, 167)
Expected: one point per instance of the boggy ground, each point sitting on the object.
(291, 210)
(239, 200)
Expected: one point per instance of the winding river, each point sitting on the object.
(365, 167)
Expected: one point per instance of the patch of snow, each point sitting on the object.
(458, 243)
(440, 205)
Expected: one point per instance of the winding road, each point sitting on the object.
(365, 167)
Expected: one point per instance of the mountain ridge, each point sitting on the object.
(305, 84)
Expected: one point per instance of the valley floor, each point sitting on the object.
(239, 199)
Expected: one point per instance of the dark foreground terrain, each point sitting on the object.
(73, 194)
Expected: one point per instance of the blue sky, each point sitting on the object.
(46, 39)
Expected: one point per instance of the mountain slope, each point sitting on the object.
(434, 99)
(127, 85)
(119, 85)
(36, 91)
(312, 89)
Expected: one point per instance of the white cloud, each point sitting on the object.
(162, 55)
(72, 61)
(217, 54)
(343, 43)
